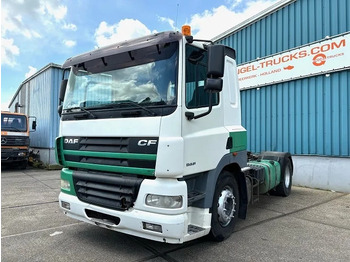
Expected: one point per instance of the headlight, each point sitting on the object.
(65, 184)
(164, 201)
(22, 154)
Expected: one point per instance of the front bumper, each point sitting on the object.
(174, 227)
(9, 155)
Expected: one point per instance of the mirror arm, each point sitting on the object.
(59, 110)
(190, 115)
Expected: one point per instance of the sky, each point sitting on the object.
(35, 33)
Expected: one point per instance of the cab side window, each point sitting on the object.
(196, 74)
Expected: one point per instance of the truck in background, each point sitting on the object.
(151, 141)
(15, 138)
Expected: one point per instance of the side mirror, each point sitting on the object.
(216, 67)
(216, 61)
(61, 96)
(59, 110)
(34, 125)
(63, 89)
(213, 85)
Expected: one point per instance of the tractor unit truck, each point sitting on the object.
(15, 138)
(151, 141)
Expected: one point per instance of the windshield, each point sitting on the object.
(15, 123)
(144, 77)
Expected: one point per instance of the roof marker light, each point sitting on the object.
(186, 30)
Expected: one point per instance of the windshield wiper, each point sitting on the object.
(115, 104)
(16, 129)
(139, 106)
(119, 104)
(149, 102)
(87, 111)
(82, 109)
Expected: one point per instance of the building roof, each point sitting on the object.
(280, 4)
(31, 77)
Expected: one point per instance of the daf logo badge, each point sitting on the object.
(71, 140)
(3, 140)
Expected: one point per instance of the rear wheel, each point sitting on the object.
(285, 187)
(225, 207)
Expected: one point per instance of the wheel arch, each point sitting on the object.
(233, 165)
(285, 160)
(280, 157)
(239, 176)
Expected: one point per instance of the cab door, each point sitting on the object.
(205, 137)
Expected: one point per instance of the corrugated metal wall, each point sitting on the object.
(310, 116)
(298, 23)
(56, 78)
(39, 97)
(40, 107)
(43, 104)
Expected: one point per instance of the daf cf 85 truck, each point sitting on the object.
(151, 141)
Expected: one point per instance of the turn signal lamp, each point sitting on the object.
(152, 227)
(65, 205)
(65, 184)
(186, 30)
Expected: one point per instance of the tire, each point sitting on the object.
(225, 207)
(285, 186)
(23, 164)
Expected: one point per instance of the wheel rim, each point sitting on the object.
(287, 177)
(226, 206)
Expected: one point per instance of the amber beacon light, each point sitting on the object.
(186, 30)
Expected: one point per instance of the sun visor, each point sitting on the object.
(122, 47)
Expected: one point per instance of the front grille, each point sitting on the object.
(106, 144)
(121, 155)
(106, 190)
(14, 141)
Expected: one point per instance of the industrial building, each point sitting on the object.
(294, 71)
(38, 96)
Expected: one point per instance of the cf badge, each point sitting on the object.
(144, 142)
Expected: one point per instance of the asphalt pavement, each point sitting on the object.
(309, 225)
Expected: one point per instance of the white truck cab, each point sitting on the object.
(151, 141)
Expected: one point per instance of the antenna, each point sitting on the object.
(177, 12)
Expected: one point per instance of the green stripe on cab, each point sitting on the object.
(239, 141)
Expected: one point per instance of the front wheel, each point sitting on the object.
(23, 164)
(225, 207)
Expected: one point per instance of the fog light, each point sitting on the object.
(65, 205)
(164, 201)
(65, 184)
(152, 227)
